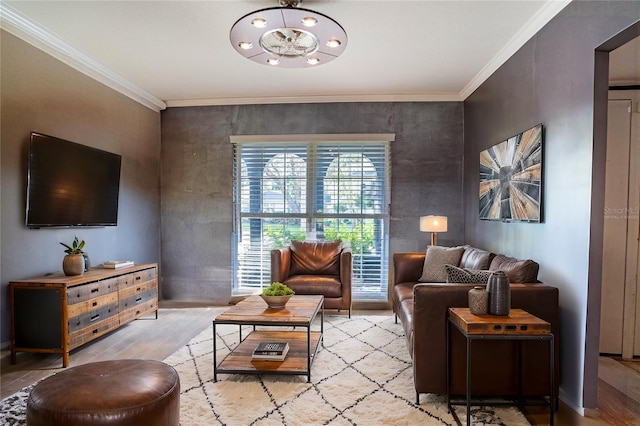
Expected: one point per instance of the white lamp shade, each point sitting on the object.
(433, 223)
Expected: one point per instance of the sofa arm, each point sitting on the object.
(280, 264)
(346, 267)
(431, 303)
(407, 267)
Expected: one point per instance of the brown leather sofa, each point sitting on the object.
(423, 308)
(316, 267)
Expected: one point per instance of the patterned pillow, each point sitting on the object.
(437, 257)
(466, 276)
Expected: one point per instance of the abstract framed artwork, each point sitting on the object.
(511, 178)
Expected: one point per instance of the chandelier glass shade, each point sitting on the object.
(288, 37)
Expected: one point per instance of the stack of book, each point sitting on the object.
(271, 351)
(115, 264)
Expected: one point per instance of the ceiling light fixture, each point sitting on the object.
(288, 36)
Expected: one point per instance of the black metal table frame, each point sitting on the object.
(310, 356)
(518, 337)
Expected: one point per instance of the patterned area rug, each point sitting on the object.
(362, 376)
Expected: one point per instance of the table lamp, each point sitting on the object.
(433, 224)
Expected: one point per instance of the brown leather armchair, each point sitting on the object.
(316, 267)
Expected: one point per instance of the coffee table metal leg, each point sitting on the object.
(322, 326)
(215, 364)
(309, 353)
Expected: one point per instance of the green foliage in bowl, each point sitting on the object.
(75, 248)
(277, 289)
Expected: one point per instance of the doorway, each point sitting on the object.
(620, 305)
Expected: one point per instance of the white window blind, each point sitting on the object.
(312, 190)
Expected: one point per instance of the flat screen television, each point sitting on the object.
(70, 184)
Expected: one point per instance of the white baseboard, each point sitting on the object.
(578, 408)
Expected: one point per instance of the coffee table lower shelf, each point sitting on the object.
(302, 351)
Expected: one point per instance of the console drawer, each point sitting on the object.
(91, 290)
(92, 304)
(97, 329)
(137, 299)
(136, 278)
(94, 316)
(142, 304)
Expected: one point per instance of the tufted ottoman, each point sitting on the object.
(120, 392)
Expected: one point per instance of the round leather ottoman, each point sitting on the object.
(120, 392)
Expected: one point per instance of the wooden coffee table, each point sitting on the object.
(300, 312)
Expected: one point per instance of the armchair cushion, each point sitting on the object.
(315, 257)
(328, 286)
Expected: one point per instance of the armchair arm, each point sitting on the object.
(407, 267)
(280, 264)
(346, 265)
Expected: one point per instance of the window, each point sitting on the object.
(321, 189)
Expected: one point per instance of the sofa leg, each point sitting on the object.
(396, 319)
(417, 398)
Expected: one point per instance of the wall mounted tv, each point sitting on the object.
(69, 184)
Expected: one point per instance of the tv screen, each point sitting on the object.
(69, 184)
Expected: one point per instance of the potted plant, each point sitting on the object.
(277, 295)
(73, 262)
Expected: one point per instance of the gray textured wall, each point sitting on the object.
(196, 180)
(42, 94)
(551, 81)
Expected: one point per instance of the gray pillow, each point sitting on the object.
(466, 276)
(437, 257)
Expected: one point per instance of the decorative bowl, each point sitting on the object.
(276, 301)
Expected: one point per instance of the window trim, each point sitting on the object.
(314, 137)
(311, 141)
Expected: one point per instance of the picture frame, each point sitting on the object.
(511, 178)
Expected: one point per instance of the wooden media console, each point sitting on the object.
(58, 313)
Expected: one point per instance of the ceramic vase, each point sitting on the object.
(478, 300)
(499, 294)
(73, 264)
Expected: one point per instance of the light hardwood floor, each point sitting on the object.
(619, 385)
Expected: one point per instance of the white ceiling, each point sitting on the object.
(175, 53)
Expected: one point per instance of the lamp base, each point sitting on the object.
(434, 239)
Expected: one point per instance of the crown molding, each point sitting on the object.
(16, 24)
(433, 97)
(535, 24)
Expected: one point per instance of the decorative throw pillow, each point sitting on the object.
(466, 276)
(475, 258)
(315, 257)
(437, 257)
(518, 271)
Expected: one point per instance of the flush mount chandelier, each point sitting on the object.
(288, 36)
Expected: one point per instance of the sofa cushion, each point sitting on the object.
(437, 257)
(315, 257)
(518, 271)
(457, 275)
(475, 258)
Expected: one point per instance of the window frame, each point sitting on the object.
(310, 214)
